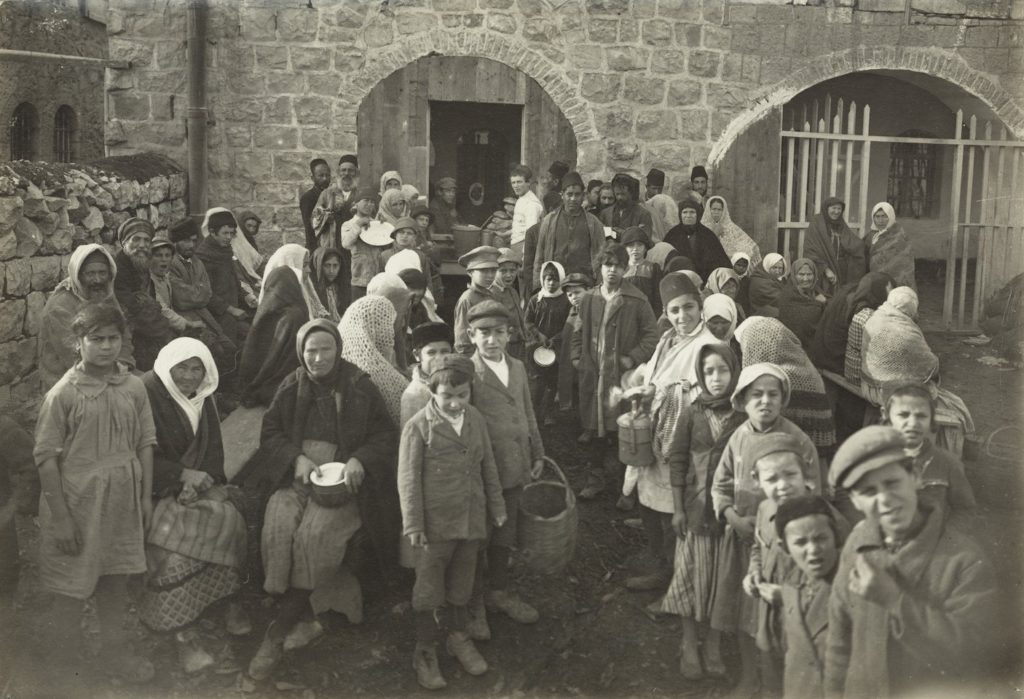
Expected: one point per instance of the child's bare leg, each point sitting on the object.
(713, 653)
(689, 662)
(111, 603)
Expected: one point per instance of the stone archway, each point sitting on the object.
(934, 62)
(477, 44)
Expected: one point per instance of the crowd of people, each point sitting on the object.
(826, 548)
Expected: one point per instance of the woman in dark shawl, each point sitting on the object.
(287, 300)
(326, 410)
(836, 250)
(828, 346)
(325, 271)
(696, 241)
(800, 303)
(196, 545)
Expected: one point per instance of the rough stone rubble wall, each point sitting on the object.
(46, 211)
(645, 83)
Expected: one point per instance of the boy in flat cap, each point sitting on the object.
(504, 291)
(449, 489)
(501, 393)
(482, 267)
(913, 601)
(430, 341)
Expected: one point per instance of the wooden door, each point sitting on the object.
(747, 177)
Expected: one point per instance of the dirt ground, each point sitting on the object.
(594, 637)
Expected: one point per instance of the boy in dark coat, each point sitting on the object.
(913, 602)
(448, 485)
(501, 394)
(482, 267)
(617, 333)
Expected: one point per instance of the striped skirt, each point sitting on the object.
(692, 591)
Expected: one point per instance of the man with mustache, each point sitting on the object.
(136, 292)
(91, 272)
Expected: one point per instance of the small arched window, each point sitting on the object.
(65, 129)
(23, 128)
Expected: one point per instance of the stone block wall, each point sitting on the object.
(644, 83)
(47, 210)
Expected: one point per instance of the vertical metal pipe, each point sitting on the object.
(197, 115)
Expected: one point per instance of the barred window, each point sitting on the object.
(913, 177)
(65, 128)
(23, 128)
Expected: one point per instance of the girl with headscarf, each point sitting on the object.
(326, 410)
(800, 303)
(247, 260)
(325, 273)
(249, 225)
(546, 313)
(391, 180)
(196, 545)
(895, 351)
(368, 342)
(888, 248)
(768, 340)
(412, 196)
(721, 316)
(392, 207)
(668, 381)
(835, 250)
(741, 266)
(288, 299)
(698, 443)
(716, 217)
(766, 284)
(828, 346)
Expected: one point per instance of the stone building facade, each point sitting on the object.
(46, 210)
(644, 83)
(46, 85)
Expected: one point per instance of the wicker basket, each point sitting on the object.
(547, 523)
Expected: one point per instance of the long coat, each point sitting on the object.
(941, 631)
(805, 620)
(630, 330)
(511, 423)
(849, 264)
(447, 482)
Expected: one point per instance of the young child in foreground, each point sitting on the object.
(429, 341)
(914, 601)
(449, 488)
(762, 392)
(546, 314)
(808, 532)
(696, 447)
(910, 408)
(94, 449)
(501, 394)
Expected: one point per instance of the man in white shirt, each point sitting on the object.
(528, 210)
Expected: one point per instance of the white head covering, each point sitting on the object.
(403, 259)
(719, 276)
(559, 271)
(721, 306)
(175, 352)
(752, 373)
(293, 256)
(889, 211)
(904, 299)
(390, 175)
(73, 283)
(741, 256)
(773, 258)
(245, 253)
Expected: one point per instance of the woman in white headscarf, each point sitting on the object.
(196, 543)
(888, 247)
(390, 180)
(734, 239)
(288, 299)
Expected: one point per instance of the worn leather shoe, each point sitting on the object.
(428, 672)
(461, 646)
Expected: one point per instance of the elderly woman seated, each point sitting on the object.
(895, 350)
(800, 303)
(196, 544)
(325, 411)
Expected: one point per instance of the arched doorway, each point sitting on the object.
(460, 116)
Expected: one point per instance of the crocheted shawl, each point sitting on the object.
(768, 340)
(895, 349)
(889, 250)
(368, 341)
(733, 238)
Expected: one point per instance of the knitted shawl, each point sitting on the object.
(368, 341)
(768, 340)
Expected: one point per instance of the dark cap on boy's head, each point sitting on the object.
(576, 279)
(772, 443)
(455, 362)
(509, 255)
(160, 240)
(183, 230)
(864, 451)
(594, 184)
(655, 177)
(797, 508)
(483, 257)
(366, 193)
(634, 234)
(488, 314)
(426, 333)
(675, 285)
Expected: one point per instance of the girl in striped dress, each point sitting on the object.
(697, 444)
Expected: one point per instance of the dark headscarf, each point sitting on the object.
(705, 399)
(839, 225)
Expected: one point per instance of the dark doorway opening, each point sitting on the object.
(477, 144)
